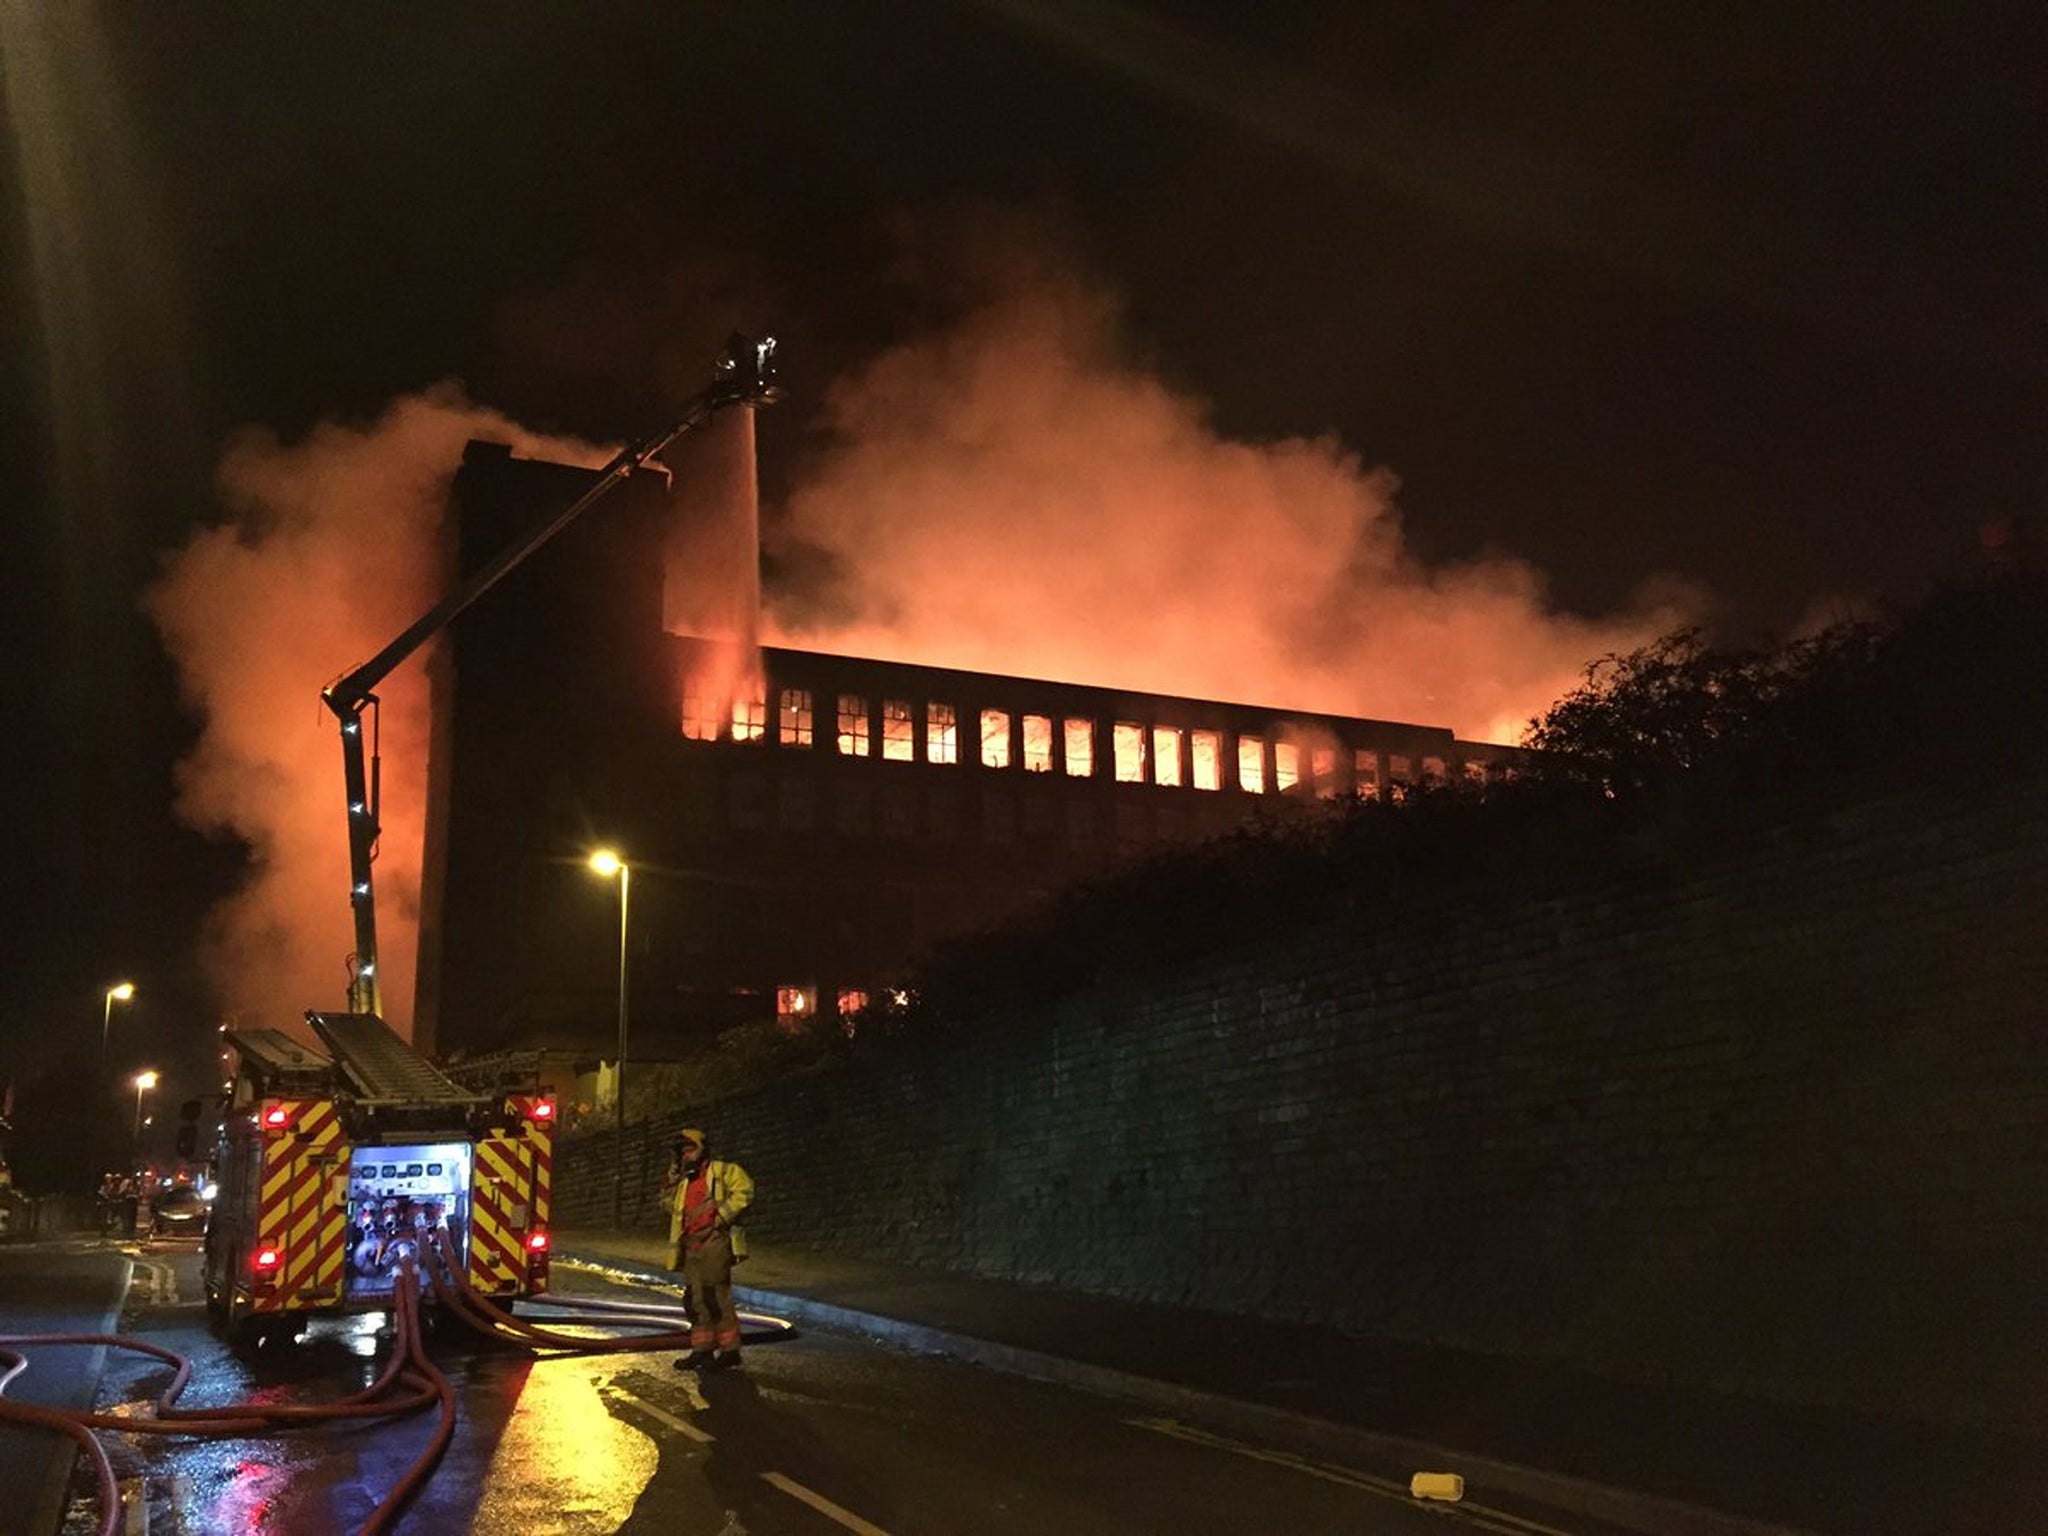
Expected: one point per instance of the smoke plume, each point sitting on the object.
(329, 549)
(1007, 495)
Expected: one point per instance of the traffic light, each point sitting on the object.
(188, 1128)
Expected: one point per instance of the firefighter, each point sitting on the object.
(706, 1198)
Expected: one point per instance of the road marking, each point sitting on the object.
(682, 1427)
(822, 1505)
(1483, 1516)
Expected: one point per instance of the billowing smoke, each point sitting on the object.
(328, 551)
(1006, 495)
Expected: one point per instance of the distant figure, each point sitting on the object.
(706, 1198)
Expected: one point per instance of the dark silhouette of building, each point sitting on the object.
(793, 843)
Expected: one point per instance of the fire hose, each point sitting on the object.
(408, 1383)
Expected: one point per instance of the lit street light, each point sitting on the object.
(144, 1081)
(607, 863)
(120, 992)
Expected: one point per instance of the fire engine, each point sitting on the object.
(337, 1166)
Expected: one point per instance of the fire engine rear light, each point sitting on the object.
(537, 1242)
(277, 1118)
(268, 1259)
(544, 1110)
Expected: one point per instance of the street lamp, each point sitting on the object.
(144, 1081)
(607, 863)
(120, 992)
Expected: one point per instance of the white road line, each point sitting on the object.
(1481, 1515)
(682, 1427)
(822, 1505)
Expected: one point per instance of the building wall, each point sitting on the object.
(1770, 1121)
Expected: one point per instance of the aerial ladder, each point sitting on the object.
(744, 376)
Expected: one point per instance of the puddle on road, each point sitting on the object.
(563, 1462)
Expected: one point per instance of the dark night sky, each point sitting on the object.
(1749, 297)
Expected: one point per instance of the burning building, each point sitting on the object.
(799, 825)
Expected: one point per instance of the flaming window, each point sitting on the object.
(1475, 773)
(1286, 765)
(852, 1001)
(795, 730)
(941, 734)
(1365, 767)
(1400, 774)
(853, 725)
(1080, 736)
(1205, 754)
(995, 738)
(1038, 744)
(1129, 739)
(1166, 742)
(1322, 765)
(794, 1006)
(703, 714)
(898, 742)
(749, 719)
(1251, 765)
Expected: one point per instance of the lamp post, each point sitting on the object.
(144, 1081)
(120, 992)
(607, 863)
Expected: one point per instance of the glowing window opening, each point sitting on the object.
(749, 719)
(1435, 770)
(1038, 744)
(1251, 765)
(794, 1006)
(1322, 767)
(1166, 751)
(1080, 740)
(1286, 766)
(796, 720)
(1366, 774)
(941, 734)
(1205, 754)
(1128, 743)
(853, 725)
(995, 738)
(703, 715)
(899, 731)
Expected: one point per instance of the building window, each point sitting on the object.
(899, 813)
(1365, 768)
(998, 819)
(1038, 744)
(1322, 766)
(1205, 759)
(703, 712)
(749, 719)
(898, 743)
(794, 729)
(1435, 770)
(1475, 773)
(853, 725)
(1129, 741)
(852, 1002)
(794, 1007)
(1080, 736)
(1400, 774)
(795, 809)
(852, 807)
(1251, 765)
(941, 734)
(995, 738)
(1286, 765)
(1165, 754)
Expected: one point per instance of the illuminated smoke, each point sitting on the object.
(329, 550)
(713, 586)
(1008, 496)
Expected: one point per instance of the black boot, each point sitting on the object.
(696, 1360)
(726, 1360)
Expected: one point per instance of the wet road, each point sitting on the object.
(818, 1435)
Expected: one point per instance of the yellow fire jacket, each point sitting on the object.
(732, 1191)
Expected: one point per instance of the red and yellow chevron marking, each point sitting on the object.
(500, 1211)
(302, 1208)
(540, 1141)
